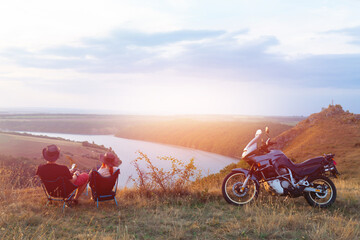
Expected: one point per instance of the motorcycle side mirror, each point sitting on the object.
(267, 130)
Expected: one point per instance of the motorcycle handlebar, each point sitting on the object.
(272, 143)
(329, 155)
(269, 143)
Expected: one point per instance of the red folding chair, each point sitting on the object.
(60, 189)
(103, 188)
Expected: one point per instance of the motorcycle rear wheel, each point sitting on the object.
(322, 200)
(231, 189)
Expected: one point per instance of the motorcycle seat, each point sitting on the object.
(307, 167)
(310, 162)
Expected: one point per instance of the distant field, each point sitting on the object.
(66, 123)
(222, 134)
(112, 124)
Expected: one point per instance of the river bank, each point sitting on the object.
(126, 149)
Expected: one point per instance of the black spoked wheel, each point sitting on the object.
(327, 195)
(232, 189)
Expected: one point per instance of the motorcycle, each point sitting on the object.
(280, 176)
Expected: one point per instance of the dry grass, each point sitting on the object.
(24, 215)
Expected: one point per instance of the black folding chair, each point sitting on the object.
(60, 189)
(103, 188)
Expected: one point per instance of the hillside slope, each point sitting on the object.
(223, 137)
(30, 148)
(330, 131)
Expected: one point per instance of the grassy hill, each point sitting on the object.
(330, 131)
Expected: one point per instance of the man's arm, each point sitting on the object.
(72, 177)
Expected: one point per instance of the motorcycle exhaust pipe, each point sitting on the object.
(311, 189)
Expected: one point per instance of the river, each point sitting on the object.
(127, 150)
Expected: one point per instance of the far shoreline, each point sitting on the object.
(29, 133)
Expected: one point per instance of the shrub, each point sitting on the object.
(17, 172)
(157, 180)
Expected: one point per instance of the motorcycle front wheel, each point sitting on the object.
(324, 199)
(232, 192)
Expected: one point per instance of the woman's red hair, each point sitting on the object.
(111, 169)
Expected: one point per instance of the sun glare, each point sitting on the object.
(188, 98)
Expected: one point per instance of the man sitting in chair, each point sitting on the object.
(51, 171)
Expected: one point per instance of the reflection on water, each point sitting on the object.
(126, 150)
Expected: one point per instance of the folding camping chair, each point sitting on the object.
(103, 188)
(59, 189)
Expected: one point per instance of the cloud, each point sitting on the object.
(353, 32)
(330, 70)
(203, 53)
(128, 38)
(122, 51)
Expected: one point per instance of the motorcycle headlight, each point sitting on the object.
(244, 154)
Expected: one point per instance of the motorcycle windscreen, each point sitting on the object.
(251, 147)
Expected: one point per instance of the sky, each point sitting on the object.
(180, 57)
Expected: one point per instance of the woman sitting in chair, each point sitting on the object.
(109, 165)
(52, 171)
(103, 183)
